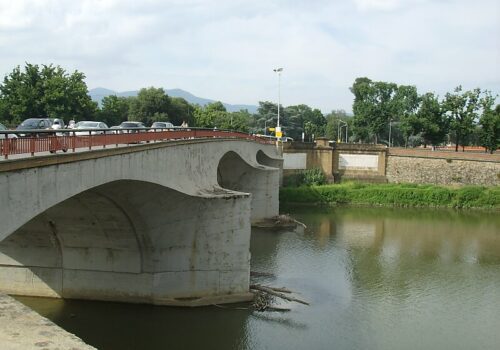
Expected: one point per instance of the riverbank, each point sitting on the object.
(22, 328)
(395, 195)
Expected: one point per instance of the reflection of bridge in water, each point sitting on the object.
(163, 222)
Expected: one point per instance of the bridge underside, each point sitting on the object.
(136, 242)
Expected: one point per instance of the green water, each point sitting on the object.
(375, 278)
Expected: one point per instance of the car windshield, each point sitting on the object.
(2, 127)
(30, 122)
(87, 125)
(130, 125)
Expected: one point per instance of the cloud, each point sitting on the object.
(227, 49)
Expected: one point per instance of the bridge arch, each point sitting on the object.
(235, 174)
(152, 225)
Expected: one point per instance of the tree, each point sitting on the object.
(150, 105)
(180, 110)
(45, 91)
(211, 114)
(114, 110)
(461, 109)
(489, 135)
(374, 106)
(302, 118)
(433, 124)
(403, 107)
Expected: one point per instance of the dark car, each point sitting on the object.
(130, 125)
(34, 124)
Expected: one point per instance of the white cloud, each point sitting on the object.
(227, 49)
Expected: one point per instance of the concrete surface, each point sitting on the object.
(23, 329)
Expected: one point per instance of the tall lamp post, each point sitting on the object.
(279, 70)
(340, 130)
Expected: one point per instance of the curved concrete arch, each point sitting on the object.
(189, 167)
(131, 241)
(235, 174)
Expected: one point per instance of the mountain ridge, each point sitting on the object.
(98, 93)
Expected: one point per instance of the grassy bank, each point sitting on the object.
(394, 195)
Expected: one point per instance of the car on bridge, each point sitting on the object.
(159, 126)
(31, 124)
(90, 125)
(128, 127)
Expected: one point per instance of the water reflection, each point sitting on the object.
(375, 278)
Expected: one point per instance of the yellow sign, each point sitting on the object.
(279, 134)
(271, 129)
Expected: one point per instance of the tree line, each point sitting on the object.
(384, 112)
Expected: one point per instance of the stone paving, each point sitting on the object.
(23, 329)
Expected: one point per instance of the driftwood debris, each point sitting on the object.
(273, 292)
(278, 222)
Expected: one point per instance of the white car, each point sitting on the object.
(159, 126)
(6, 136)
(90, 125)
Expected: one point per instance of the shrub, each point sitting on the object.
(313, 177)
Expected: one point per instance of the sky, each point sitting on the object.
(227, 49)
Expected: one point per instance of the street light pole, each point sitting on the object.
(279, 70)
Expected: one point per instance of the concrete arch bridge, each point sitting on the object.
(163, 223)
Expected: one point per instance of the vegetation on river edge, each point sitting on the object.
(397, 195)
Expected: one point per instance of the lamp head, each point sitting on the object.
(278, 70)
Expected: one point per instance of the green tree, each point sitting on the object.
(114, 110)
(489, 135)
(150, 105)
(180, 110)
(211, 114)
(374, 106)
(302, 118)
(45, 91)
(333, 123)
(434, 125)
(461, 109)
(403, 107)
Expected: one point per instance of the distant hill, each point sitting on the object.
(99, 93)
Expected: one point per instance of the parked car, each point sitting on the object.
(6, 136)
(162, 125)
(34, 124)
(90, 125)
(11, 139)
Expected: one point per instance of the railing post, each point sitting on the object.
(5, 148)
(90, 140)
(32, 145)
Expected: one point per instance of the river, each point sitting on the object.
(375, 279)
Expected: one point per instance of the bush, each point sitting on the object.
(310, 177)
(314, 177)
(405, 195)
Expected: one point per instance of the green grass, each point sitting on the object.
(394, 195)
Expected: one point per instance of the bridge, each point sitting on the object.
(166, 222)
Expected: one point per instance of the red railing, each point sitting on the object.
(37, 141)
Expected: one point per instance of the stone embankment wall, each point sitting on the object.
(442, 168)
